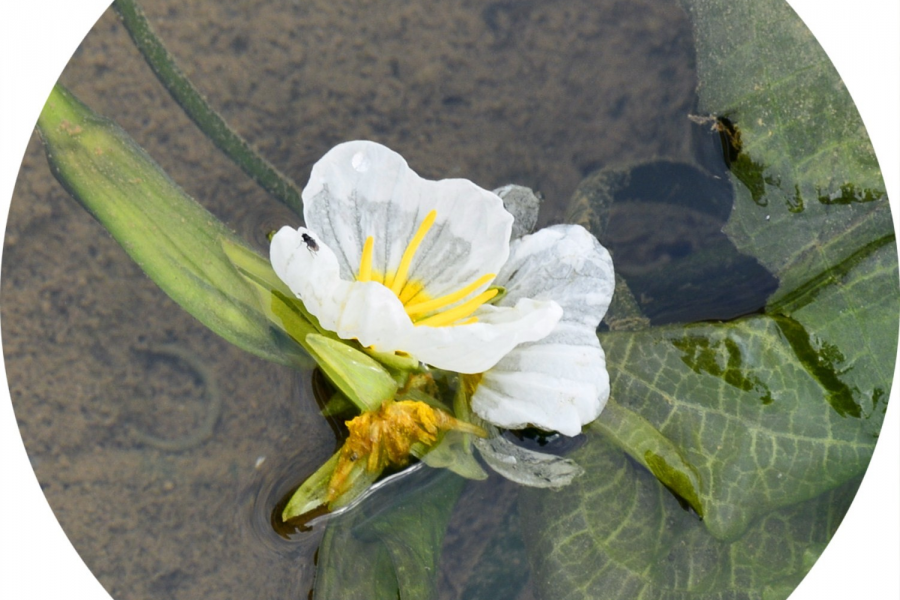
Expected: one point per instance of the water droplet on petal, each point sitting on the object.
(360, 162)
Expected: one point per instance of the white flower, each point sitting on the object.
(404, 264)
(558, 383)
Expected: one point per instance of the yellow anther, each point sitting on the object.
(365, 263)
(421, 308)
(399, 279)
(459, 312)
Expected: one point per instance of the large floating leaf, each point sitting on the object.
(618, 534)
(763, 425)
(744, 417)
(177, 242)
(808, 192)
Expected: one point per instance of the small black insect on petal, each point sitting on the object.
(310, 243)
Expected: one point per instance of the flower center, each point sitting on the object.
(421, 308)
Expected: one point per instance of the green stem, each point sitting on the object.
(198, 109)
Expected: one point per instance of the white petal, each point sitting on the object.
(372, 314)
(367, 311)
(311, 272)
(477, 347)
(560, 382)
(564, 263)
(362, 188)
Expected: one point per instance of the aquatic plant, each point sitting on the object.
(761, 425)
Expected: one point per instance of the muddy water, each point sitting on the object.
(163, 486)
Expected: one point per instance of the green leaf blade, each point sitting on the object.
(618, 534)
(776, 414)
(170, 236)
(363, 380)
(746, 414)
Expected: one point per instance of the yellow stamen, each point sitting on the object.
(421, 308)
(407, 291)
(399, 279)
(460, 312)
(410, 291)
(365, 263)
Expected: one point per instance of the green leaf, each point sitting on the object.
(313, 493)
(254, 267)
(808, 192)
(389, 546)
(393, 360)
(174, 240)
(618, 534)
(765, 424)
(454, 452)
(648, 446)
(363, 380)
(743, 422)
(746, 417)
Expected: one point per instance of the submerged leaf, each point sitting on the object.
(758, 429)
(175, 241)
(618, 534)
(389, 546)
(645, 444)
(763, 424)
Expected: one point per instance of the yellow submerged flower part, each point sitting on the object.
(384, 437)
(433, 312)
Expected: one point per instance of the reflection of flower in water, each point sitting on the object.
(404, 264)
